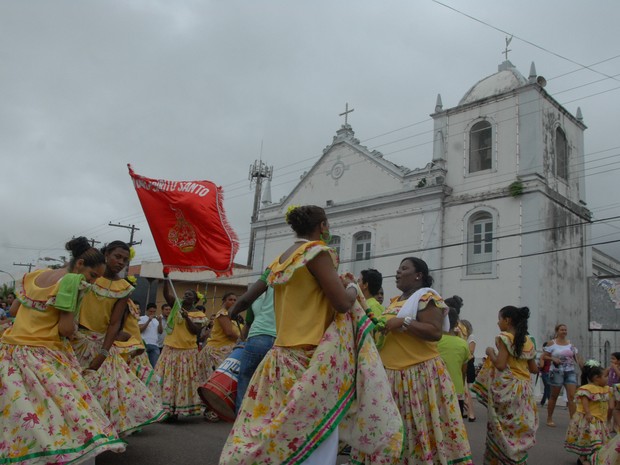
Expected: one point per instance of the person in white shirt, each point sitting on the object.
(165, 313)
(151, 327)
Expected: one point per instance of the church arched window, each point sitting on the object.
(362, 245)
(480, 147)
(480, 249)
(561, 154)
(334, 243)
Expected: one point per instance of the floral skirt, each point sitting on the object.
(212, 357)
(181, 376)
(511, 414)
(141, 367)
(127, 402)
(299, 397)
(585, 437)
(609, 454)
(47, 412)
(434, 429)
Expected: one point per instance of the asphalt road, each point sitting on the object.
(195, 441)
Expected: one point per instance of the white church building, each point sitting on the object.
(498, 213)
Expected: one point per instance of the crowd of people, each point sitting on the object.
(324, 367)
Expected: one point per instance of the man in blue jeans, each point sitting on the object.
(260, 320)
(151, 327)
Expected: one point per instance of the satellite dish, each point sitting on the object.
(541, 81)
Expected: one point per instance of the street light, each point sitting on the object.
(62, 259)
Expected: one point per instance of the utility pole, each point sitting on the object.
(133, 230)
(93, 242)
(29, 265)
(259, 171)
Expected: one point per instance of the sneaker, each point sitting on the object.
(211, 416)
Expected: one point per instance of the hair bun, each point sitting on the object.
(77, 246)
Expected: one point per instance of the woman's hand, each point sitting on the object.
(393, 324)
(347, 278)
(490, 352)
(96, 362)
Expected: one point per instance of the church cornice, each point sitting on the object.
(507, 95)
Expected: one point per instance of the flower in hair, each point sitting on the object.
(132, 279)
(289, 210)
(132, 253)
(592, 363)
(199, 296)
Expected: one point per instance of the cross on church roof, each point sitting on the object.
(346, 113)
(506, 50)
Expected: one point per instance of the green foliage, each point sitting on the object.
(516, 188)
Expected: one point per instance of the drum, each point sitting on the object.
(220, 392)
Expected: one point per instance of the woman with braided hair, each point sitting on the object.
(126, 400)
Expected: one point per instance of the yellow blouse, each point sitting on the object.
(598, 400)
(98, 304)
(181, 337)
(519, 365)
(301, 308)
(132, 327)
(402, 350)
(218, 337)
(36, 323)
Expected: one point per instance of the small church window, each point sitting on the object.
(561, 154)
(334, 243)
(361, 245)
(480, 147)
(480, 244)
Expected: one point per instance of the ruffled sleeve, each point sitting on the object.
(198, 318)
(593, 393)
(528, 352)
(282, 272)
(431, 296)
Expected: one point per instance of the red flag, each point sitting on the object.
(188, 223)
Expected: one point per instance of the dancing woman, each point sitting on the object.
(49, 414)
(419, 379)
(179, 365)
(306, 383)
(128, 403)
(505, 388)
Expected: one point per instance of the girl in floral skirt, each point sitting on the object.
(587, 431)
(505, 387)
(47, 412)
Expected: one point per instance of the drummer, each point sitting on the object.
(224, 335)
(261, 321)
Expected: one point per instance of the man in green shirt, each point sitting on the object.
(370, 282)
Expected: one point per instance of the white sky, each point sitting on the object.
(187, 90)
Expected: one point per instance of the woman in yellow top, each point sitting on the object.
(126, 400)
(421, 385)
(587, 431)
(505, 387)
(179, 365)
(47, 413)
(277, 419)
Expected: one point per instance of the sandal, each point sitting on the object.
(551, 423)
(471, 419)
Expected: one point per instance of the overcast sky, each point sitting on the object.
(189, 89)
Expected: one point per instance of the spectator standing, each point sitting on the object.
(151, 327)
(165, 313)
(370, 282)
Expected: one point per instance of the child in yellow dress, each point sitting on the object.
(587, 431)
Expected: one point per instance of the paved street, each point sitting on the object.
(195, 441)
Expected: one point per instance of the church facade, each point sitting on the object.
(498, 213)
